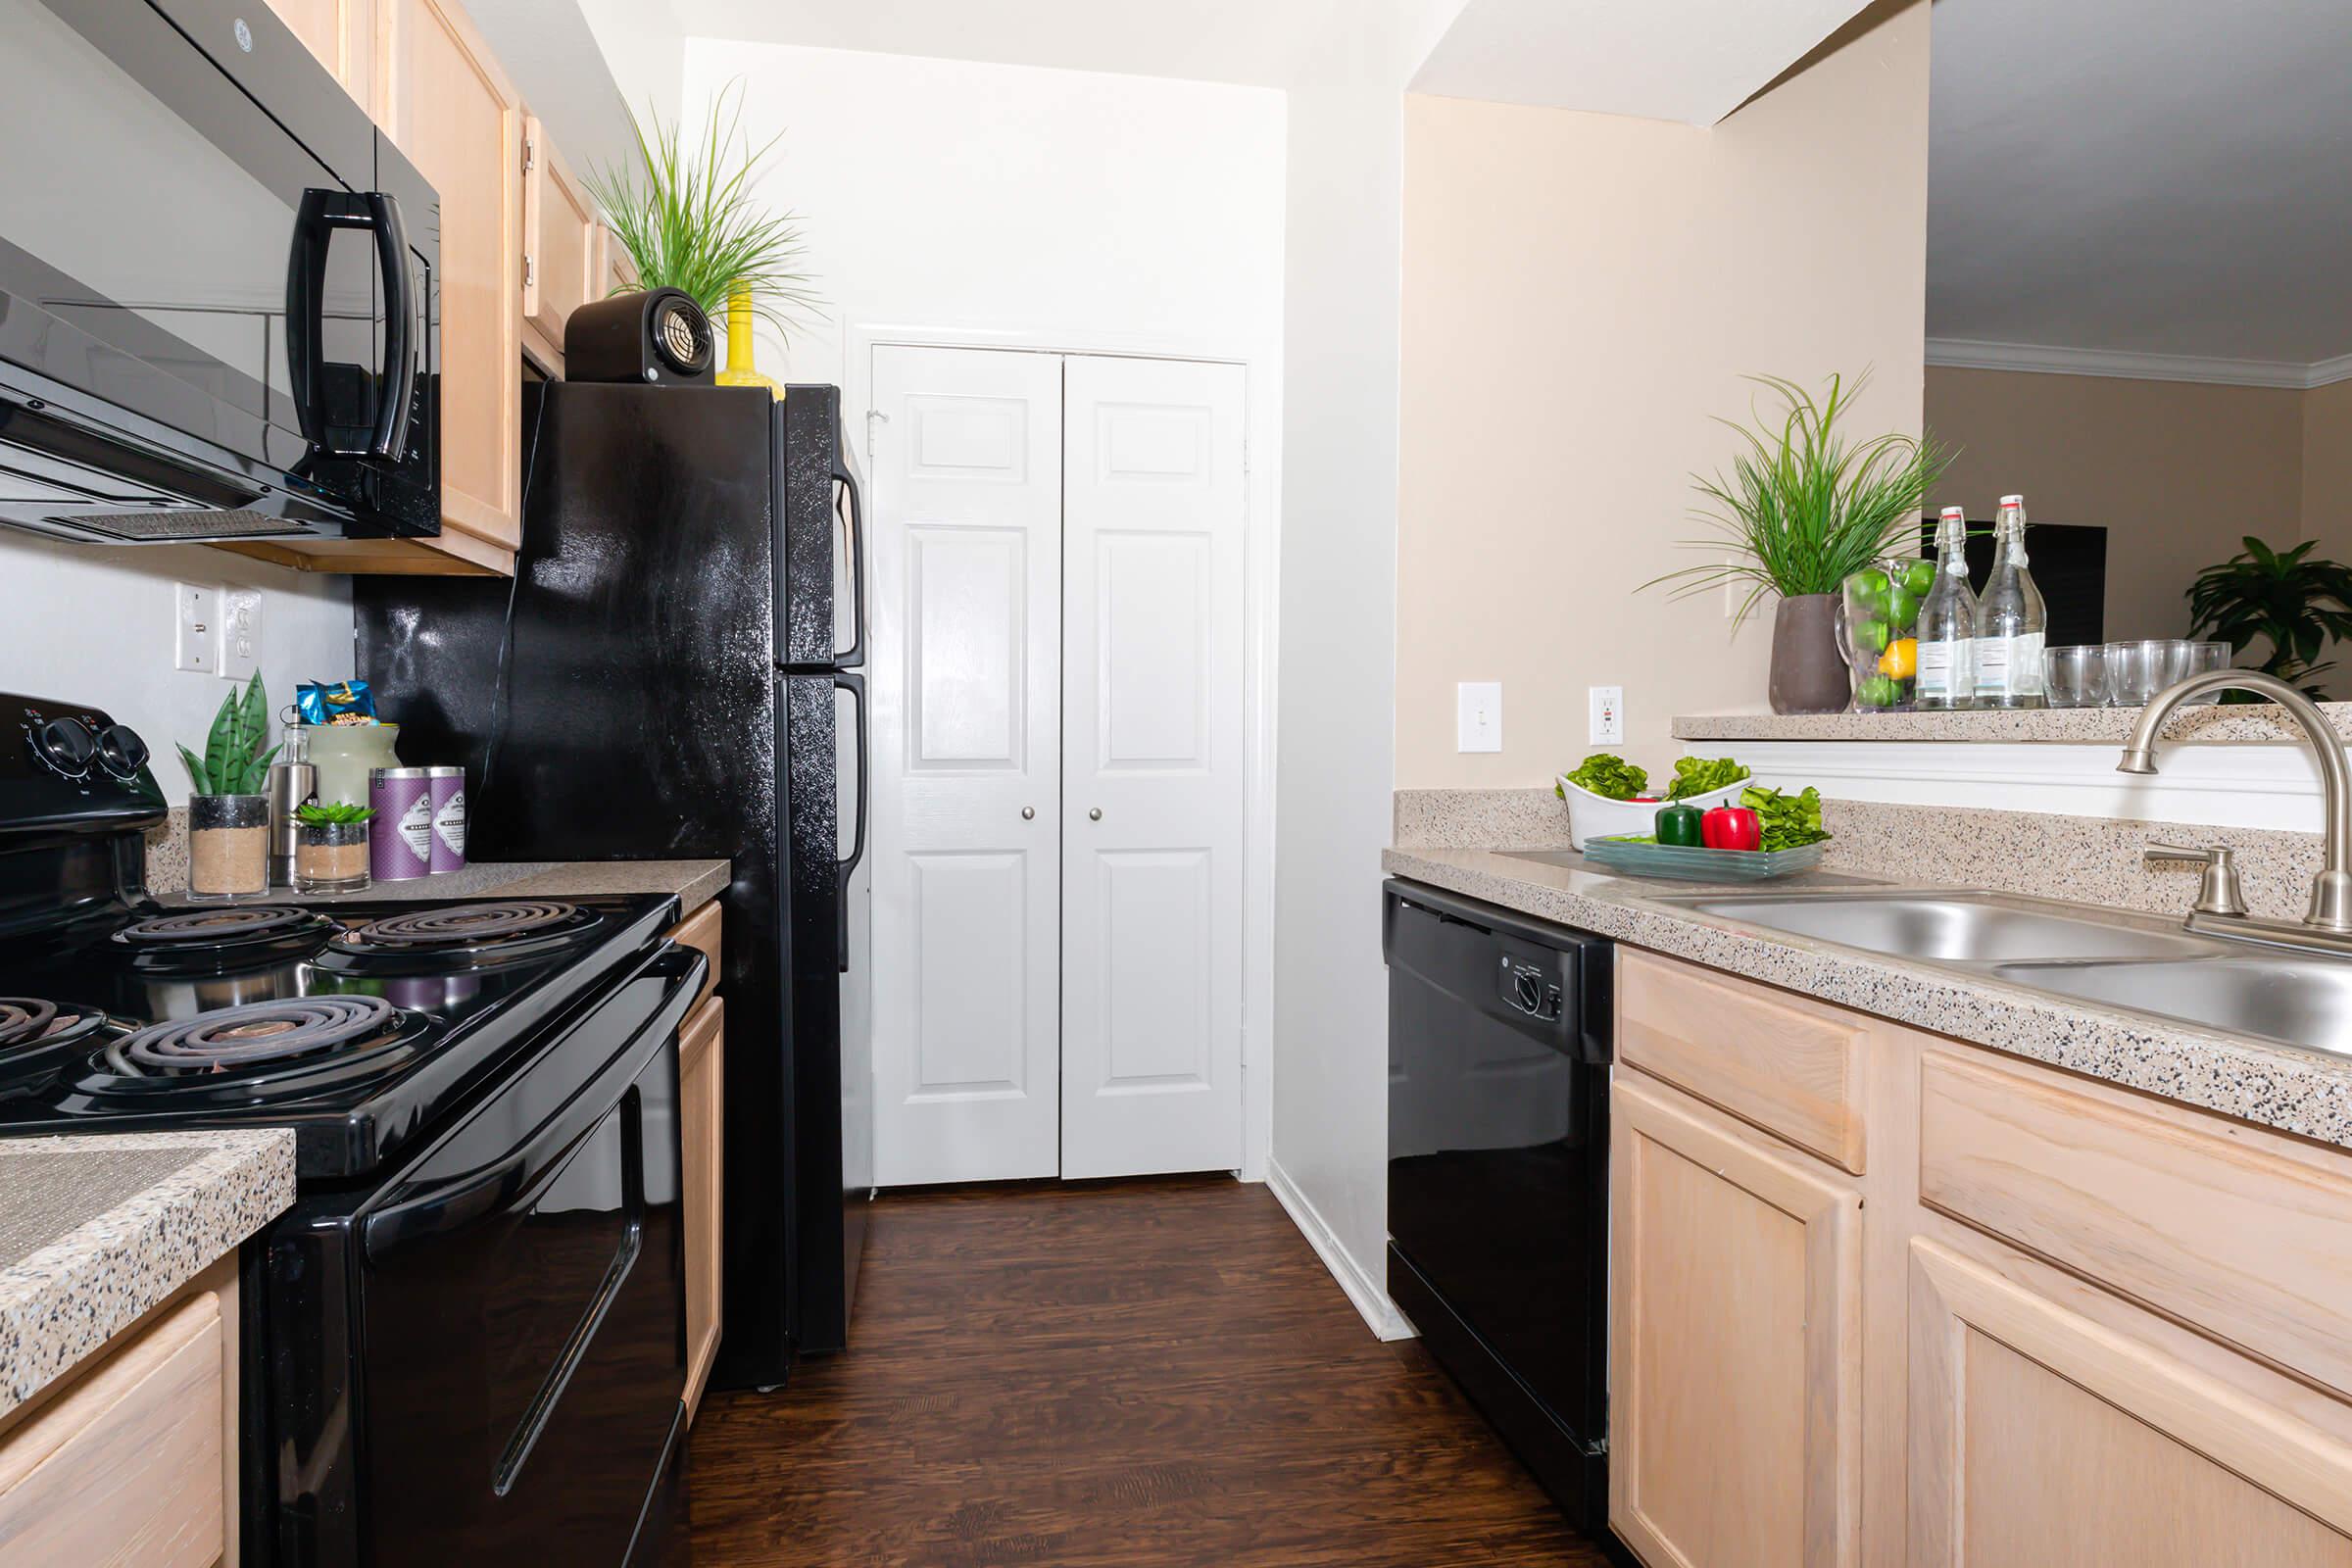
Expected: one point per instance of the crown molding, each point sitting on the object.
(1970, 354)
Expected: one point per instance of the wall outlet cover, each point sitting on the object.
(195, 628)
(1607, 724)
(240, 633)
(1478, 715)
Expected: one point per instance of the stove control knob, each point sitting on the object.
(64, 744)
(121, 751)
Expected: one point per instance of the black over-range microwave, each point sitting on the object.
(218, 284)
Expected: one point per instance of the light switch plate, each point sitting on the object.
(1478, 715)
(195, 633)
(240, 633)
(1607, 726)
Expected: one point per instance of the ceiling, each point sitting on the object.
(1255, 42)
(1688, 60)
(2127, 180)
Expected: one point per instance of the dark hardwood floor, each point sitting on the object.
(1136, 1373)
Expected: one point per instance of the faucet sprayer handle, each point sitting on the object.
(2218, 893)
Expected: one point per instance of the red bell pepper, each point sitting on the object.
(1730, 827)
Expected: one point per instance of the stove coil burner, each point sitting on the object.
(213, 925)
(28, 1020)
(256, 1034)
(466, 925)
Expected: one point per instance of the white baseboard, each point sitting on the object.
(1363, 1292)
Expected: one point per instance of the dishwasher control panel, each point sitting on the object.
(1529, 982)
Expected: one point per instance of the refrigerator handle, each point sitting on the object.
(855, 685)
(854, 656)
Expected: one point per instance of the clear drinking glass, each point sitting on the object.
(2201, 659)
(2136, 671)
(2076, 677)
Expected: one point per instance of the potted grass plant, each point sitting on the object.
(228, 815)
(1801, 509)
(691, 220)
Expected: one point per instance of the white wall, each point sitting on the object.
(92, 624)
(1337, 757)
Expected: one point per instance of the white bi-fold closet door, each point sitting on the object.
(1057, 806)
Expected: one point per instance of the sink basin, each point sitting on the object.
(2300, 1001)
(1950, 927)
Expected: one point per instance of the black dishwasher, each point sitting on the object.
(1499, 1159)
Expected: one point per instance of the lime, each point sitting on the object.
(1880, 691)
(1919, 577)
(1866, 590)
(1902, 609)
(1870, 635)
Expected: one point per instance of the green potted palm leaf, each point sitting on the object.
(2295, 603)
(691, 220)
(1801, 510)
(228, 815)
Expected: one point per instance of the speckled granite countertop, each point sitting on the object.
(95, 1231)
(2297, 1091)
(2103, 726)
(694, 883)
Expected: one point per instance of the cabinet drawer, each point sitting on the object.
(701, 930)
(2217, 1226)
(1792, 1068)
(126, 1466)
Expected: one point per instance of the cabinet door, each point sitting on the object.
(560, 259)
(342, 34)
(1736, 1343)
(615, 268)
(453, 111)
(701, 1117)
(2038, 1436)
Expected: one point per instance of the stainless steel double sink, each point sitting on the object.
(2117, 959)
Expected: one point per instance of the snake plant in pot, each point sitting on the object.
(229, 816)
(1801, 509)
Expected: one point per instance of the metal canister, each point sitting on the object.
(400, 844)
(291, 784)
(448, 817)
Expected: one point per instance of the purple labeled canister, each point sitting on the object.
(449, 818)
(400, 844)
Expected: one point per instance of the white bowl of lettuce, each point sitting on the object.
(1610, 796)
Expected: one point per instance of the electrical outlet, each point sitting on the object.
(1478, 715)
(195, 633)
(1607, 725)
(240, 633)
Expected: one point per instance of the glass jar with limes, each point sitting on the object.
(1878, 625)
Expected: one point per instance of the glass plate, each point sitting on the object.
(1702, 865)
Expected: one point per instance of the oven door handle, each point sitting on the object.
(468, 1198)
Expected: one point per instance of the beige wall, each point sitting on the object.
(1582, 295)
(2328, 468)
(2176, 472)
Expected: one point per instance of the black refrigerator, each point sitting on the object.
(673, 674)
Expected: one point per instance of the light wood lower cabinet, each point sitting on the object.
(2059, 1322)
(1736, 1364)
(701, 1117)
(133, 1459)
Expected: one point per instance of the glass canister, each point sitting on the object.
(345, 755)
(1879, 619)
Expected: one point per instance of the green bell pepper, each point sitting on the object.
(1678, 824)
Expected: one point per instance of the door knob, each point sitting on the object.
(1028, 813)
(1095, 815)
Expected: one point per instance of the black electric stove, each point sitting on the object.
(478, 1296)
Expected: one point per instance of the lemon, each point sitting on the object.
(1901, 659)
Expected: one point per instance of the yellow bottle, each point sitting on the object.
(740, 370)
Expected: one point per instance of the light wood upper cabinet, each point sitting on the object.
(618, 272)
(450, 109)
(1735, 1346)
(563, 263)
(343, 35)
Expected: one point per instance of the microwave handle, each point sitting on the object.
(400, 313)
(321, 213)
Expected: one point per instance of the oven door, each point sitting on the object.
(215, 283)
(522, 1314)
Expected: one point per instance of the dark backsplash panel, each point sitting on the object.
(2069, 562)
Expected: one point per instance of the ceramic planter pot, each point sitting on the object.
(1809, 672)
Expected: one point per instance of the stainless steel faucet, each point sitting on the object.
(2327, 922)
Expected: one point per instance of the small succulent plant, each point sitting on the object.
(233, 761)
(331, 814)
